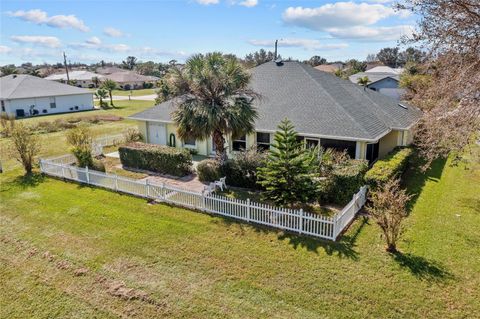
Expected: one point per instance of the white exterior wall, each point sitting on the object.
(63, 104)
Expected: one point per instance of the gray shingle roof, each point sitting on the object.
(27, 86)
(316, 102)
(373, 76)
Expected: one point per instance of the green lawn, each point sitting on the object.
(55, 143)
(68, 250)
(134, 92)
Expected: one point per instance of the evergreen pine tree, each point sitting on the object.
(290, 171)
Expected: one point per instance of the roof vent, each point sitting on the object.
(279, 61)
(14, 76)
(403, 105)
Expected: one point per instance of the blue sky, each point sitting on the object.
(38, 31)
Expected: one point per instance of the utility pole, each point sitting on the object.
(275, 54)
(66, 67)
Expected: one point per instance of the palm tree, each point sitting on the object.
(95, 81)
(363, 81)
(101, 94)
(212, 99)
(109, 85)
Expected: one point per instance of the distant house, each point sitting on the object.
(383, 79)
(81, 78)
(26, 95)
(326, 111)
(109, 70)
(129, 80)
(330, 68)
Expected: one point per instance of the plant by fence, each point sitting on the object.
(246, 210)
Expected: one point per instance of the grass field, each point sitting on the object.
(134, 92)
(68, 250)
(55, 143)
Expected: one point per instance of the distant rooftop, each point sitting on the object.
(27, 86)
(74, 75)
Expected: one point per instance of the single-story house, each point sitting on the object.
(385, 69)
(82, 79)
(25, 95)
(325, 110)
(129, 80)
(385, 83)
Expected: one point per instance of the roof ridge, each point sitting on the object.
(22, 78)
(303, 67)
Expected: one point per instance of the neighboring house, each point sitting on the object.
(330, 68)
(81, 78)
(109, 70)
(129, 80)
(325, 110)
(385, 69)
(383, 82)
(26, 95)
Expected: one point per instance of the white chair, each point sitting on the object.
(221, 183)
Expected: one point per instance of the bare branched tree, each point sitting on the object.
(25, 146)
(450, 32)
(388, 208)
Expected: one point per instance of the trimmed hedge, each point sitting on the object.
(156, 158)
(208, 170)
(343, 182)
(393, 165)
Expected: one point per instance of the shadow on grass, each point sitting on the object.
(415, 179)
(422, 268)
(471, 203)
(342, 248)
(29, 180)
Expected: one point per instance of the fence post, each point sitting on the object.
(116, 182)
(86, 173)
(41, 166)
(204, 202)
(162, 192)
(63, 171)
(147, 186)
(248, 209)
(334, 219)
(301, 221)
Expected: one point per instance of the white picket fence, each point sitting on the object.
(246, 210)
(100, 142)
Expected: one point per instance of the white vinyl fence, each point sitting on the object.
(246, 210)
(100, 142)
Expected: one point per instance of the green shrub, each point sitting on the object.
(208, 170)
(343, 181)
(98, 166)
(133, 135)
(392, 166)
(156, 158)
(241, 171)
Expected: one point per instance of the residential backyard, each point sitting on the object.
(69, 250)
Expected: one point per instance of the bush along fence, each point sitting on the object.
(245, 210)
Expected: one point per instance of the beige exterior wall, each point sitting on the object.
(142, 128)
(388, 143)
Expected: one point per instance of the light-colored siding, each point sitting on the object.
(388, 143)
(63, 104)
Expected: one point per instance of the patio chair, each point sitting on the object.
(221, 183)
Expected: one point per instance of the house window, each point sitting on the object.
(240, 143)
(191, 142)
(263, 141)
(53, 104)
(339, 145)
(311, 142)
(3, 106)
(372, 152)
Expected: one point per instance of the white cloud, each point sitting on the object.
(93, 41)
(112, 32)
(373, 33)
(248, 3)
(207, 2)
(38, 16)
(45, 41)
(5, 49)
(115, 48)
(338, 15)
(308, 44)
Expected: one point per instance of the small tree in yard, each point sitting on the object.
(363, 81)
(388, 209)
(101, 94)
(81, 141)
(25, 146)
(109, 85)
(290, 171)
